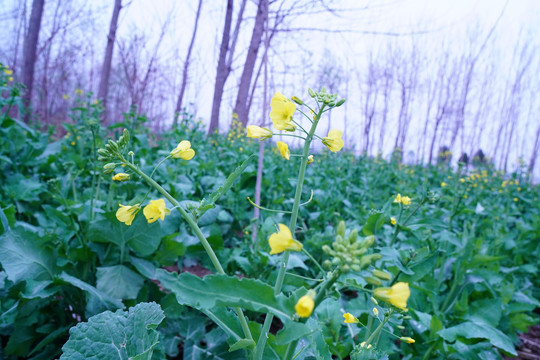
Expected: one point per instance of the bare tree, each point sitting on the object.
(107, 61)
(186, 66)
(30, 47)
(241, 105)
(226, 53)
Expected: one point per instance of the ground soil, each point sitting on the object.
(530, 345)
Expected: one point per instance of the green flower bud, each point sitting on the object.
(326, 249)
(373, 281)
(373, 300)
(311, 92)
(327, 264)
(297, 100)
(340, 102)
(341, 228)
(381, 274)
(353, 236)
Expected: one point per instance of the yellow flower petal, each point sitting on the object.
(407, 339)
(393, 220)
(350, 319)
(333, 141)
(282, 241)
(155, 210)
(283, 150)
(281, 113)
(405, 200)
(396, 295)
(257, 132)
(304, 306)
(183, 151)
(121, 177)
(126, 214)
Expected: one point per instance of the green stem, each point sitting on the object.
(379, 328)
(261, 342)
(206, 245)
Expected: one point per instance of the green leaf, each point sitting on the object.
(98, 300)
(242, 344)
(292, 331)
(207, 204)
(24, 257)
(318, 345)
(120, 335)
(119, 282)
(373, 223)
(142, 237)
(479, 330)
(224, 290)
(226, 320)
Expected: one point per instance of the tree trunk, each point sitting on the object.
(241, 105)
(221, 73)
(29, 52)
(107, 61)
(186, 67)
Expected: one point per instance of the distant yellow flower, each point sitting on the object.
(515, 199)
(257, 132)
(396, 295)
(462, 180)
(393, 220)
(10, 79)
(283, 150)
(155, 210)
(8, 71)
(79, 92)
(65, 97)
(121, 177)
(363, 344)
(310, 159)
(350, 319)
(126, 214)
(183, 151)
(443, 184)
(405, 200)
(73, 143)
(282, 110)
(407, 339)
(282, 241)
(375, 311)
(304, 306)
(333, 141)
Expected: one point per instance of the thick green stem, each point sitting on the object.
(261, 342)
(378, 329)
(206, 245)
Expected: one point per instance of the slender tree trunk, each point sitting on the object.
(186, 67)
(221, 73)
(107, 61)
(29, 52)
(535, 154)
(241, 105)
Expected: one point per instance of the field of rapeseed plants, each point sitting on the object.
(117, 243)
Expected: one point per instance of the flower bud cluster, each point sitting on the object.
(112, 151)
(324, 97)
(348, 251)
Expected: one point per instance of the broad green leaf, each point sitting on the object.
(242, 344)
(24, 257)
(316, 339)
(226, 320)
(485, 310)
(121, 335)
(373, 223)
(479, 330)
(142, 237)
(98, 300)
(119, 282)
(224, 290)
(292, 331)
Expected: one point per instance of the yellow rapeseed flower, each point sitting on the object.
(396, 295)
(397, 200)
(350, 319)
(256, 132)
(126, 214)
(282, 110)
(393, 220)
(363, 344)
(183, 151)
(155, 210)
(375, 312)
(304, 306)
(282, 241)
(443, 184)
(283, 150)
(405, 200)
(407, 339)
(334, 141)
(310, 159)
(8, 71)
(121, 177)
